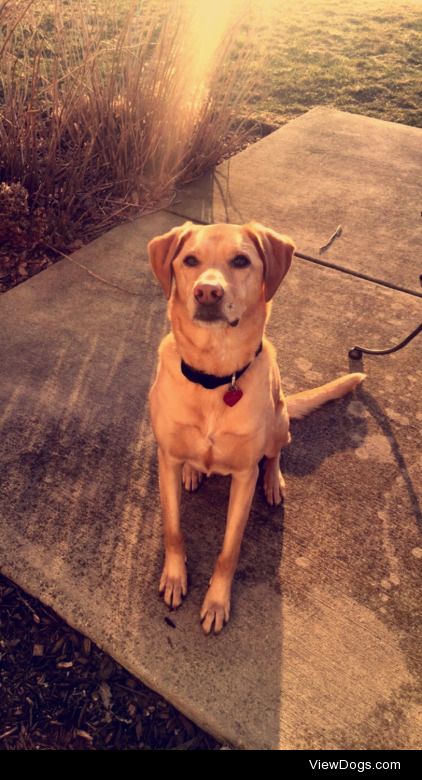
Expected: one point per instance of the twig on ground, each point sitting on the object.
(91, 273)
(101, 278)
(331, 240)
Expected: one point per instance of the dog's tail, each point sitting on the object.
(301, 404)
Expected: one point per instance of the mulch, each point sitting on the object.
(59, 691)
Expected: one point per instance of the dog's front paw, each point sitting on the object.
(215, 610)
(174, 580)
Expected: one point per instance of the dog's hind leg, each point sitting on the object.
(191, 478)
(274, 484)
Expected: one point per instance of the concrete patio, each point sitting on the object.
(323, 649)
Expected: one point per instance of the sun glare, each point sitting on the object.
(206, 25)
(209, 22)
(205, 29)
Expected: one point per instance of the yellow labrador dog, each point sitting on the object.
(217, 405)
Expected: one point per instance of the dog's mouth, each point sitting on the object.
(212, 313)
(214, 317)
(208, 313)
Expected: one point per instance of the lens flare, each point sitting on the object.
(210, 32)
(204, 28)
(209, 22)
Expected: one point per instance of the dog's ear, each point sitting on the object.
(163, 249)
(276, 252)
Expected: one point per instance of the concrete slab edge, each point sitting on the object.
(210, 726)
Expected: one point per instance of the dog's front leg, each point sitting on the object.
(173, 582)
(215, 609)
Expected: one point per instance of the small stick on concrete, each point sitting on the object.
(331, 240)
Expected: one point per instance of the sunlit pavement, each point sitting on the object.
(322, 650)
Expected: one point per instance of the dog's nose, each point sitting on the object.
(208, 293)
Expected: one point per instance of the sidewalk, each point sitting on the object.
(322, 650)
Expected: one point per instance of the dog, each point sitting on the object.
(216, 404)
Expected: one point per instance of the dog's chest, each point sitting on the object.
(201, 429)
(212, 445)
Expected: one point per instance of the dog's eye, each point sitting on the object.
(240, 261)
(191, 261)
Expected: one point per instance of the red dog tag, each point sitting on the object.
(233, 395)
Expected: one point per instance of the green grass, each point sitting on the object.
(362, 57)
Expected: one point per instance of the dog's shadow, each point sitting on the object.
(338, 426)
(328, 430)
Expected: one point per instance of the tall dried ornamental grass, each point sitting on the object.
(103, 105)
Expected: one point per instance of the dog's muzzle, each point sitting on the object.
(209, 299)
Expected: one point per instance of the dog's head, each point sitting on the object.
(222, 271)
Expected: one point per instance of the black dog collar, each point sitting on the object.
(210, 381)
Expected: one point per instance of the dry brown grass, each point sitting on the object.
(102, 111)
